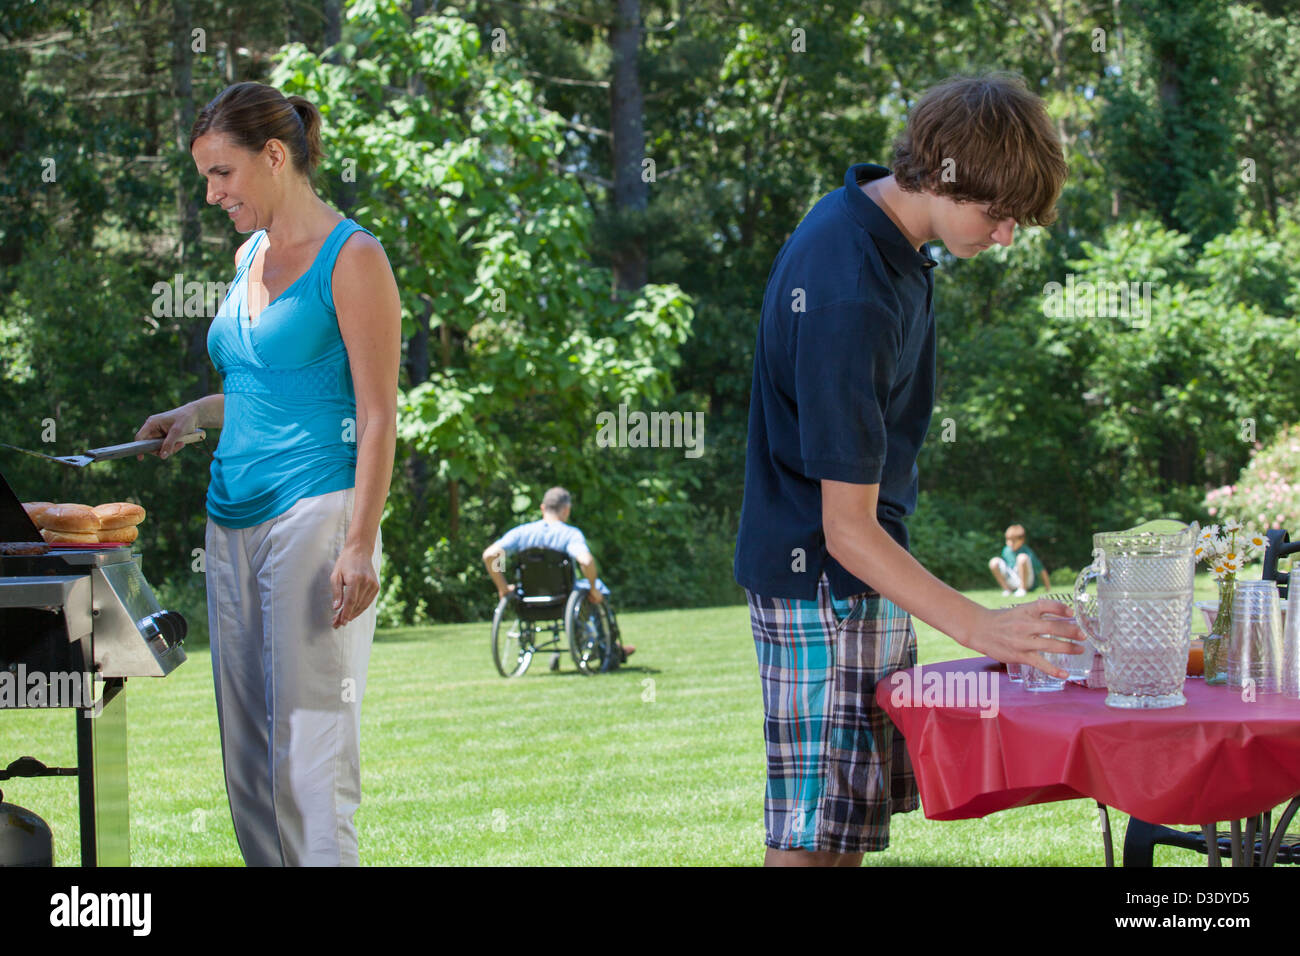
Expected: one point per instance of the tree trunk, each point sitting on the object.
(345, 191)
(187, 203)
(333, 22)
(417, 371)
(187, 207)
(631, 190)
(453, 530)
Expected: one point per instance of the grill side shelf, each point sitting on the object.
(67, 592)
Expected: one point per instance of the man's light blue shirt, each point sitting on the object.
(555, 535)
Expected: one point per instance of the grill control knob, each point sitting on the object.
(170, 626)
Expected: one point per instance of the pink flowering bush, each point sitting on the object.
(1267, 493)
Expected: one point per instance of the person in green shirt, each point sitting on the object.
(1018, 569)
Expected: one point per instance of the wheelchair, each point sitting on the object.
(545, 611)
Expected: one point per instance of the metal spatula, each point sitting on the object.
(112, 451)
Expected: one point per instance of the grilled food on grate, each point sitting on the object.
(22, 547)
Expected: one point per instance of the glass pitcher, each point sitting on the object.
(1143, 627)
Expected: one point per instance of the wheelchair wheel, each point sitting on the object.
(590, 641)
(512, 640)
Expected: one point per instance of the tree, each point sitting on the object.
(486, 241)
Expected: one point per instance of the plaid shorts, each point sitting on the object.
(836, 765)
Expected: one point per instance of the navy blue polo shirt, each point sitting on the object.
(844, 374)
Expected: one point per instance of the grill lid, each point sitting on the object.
(15, 525)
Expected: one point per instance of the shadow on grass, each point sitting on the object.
(633, 669)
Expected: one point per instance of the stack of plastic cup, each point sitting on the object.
(1255, 645)
(1290, 668)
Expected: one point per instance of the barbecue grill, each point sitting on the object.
(75, 624)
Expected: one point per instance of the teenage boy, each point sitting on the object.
(843, 389)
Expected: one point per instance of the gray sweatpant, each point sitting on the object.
(288, 685)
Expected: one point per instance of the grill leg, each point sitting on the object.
(101, 780)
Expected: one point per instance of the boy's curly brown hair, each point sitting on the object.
(984, 139)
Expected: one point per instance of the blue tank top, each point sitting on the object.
(290, 416)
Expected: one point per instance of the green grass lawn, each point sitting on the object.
(660, 762)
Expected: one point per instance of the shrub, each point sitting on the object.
(1264, 495)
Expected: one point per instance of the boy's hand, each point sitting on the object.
(1013, 635)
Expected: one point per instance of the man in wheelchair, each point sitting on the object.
(553, 533)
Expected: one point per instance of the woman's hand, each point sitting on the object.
(1014, 635)
(170, 427)
(354, 583)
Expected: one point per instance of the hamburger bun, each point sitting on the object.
(34, 509)
(119, 514)
(69, 537)
(119, 535)
(77, 519)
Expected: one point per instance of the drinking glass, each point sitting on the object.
(1039, 680)
(1255, 644)
(1078, 665)
(1014, 672)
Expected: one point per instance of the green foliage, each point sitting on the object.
(83, 364)
(1168, 121)
(1268, 101)
(1118, 417)
(1266, 494)
(539, 342)
(186, 594)
(954, 541)
(485, 173)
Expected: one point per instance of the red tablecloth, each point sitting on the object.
(1217, 758)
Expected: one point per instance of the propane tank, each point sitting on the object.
(25, 839)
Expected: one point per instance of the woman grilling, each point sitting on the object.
(307, 342)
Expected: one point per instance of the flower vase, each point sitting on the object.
(1216, 642)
